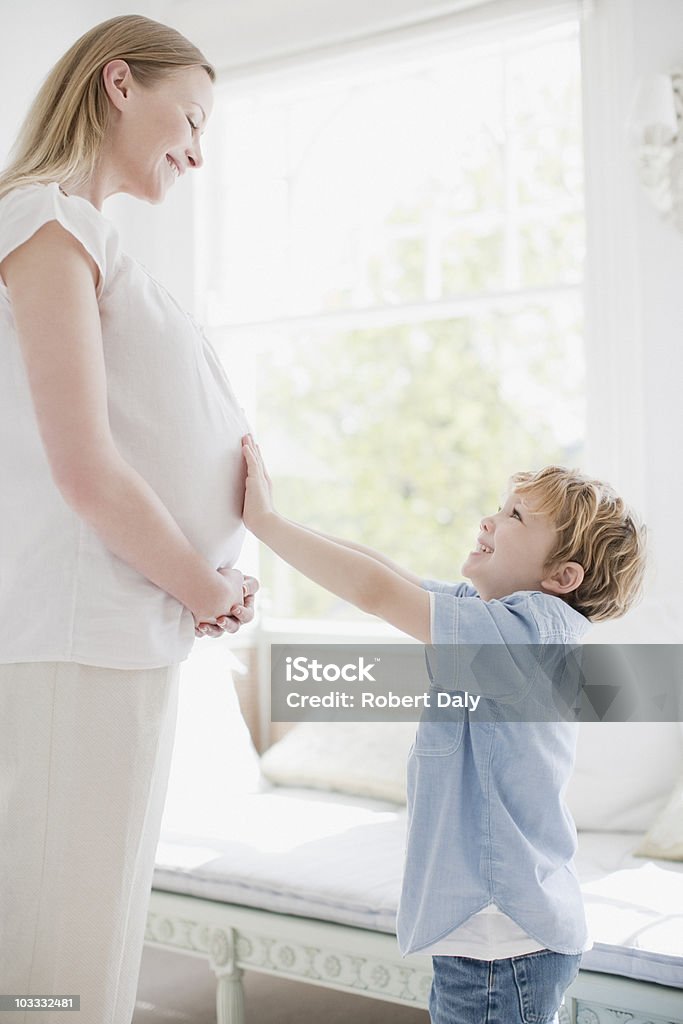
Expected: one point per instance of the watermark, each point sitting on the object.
(483, 682)
(39, 1002)
(303, 669)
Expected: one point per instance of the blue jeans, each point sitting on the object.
(516, 990)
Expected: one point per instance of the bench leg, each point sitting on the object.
(230, 998)
(223, 963)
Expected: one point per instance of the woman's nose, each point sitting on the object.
(195, 156)
(486, 523)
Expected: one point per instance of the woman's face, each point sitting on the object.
(155, 130)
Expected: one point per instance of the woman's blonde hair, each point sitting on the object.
(62, 133)
(595, 528)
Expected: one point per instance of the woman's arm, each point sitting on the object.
(51, 281)
(351, 574)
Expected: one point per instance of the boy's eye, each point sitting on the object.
(513, 513)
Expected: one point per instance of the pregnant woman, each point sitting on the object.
(120, 514)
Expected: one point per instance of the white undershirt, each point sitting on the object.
(488, 935)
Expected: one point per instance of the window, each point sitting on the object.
(390, 266)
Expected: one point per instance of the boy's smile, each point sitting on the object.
(512, 551)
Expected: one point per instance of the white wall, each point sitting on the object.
(34, 36)
(634, 282)
(658, 35)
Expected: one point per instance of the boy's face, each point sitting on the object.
(518, 544)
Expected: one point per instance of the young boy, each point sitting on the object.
(489, 887)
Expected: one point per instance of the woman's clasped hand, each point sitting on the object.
(239, 614)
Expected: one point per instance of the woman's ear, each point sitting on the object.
(564, 578)
(117, 78)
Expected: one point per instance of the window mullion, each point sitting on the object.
(387, 316)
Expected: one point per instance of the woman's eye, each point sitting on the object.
(516, 513)
(192, 126)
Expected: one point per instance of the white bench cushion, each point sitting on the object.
(339, 858)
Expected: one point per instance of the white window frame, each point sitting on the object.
(612, 290)
(256, 337)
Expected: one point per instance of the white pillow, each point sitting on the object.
(213, 754)
(665, 837)
(623, 774)
(362, 758)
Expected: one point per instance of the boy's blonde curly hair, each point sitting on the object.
(597, 529)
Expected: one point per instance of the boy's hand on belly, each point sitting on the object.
(258, 496)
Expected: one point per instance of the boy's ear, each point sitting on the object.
(564, 578)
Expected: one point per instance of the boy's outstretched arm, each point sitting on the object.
(370, 552)
(356, 577)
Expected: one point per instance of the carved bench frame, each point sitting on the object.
(236, 938)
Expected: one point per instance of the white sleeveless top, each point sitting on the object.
(63, 595)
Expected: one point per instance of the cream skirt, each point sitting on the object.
(85, 754)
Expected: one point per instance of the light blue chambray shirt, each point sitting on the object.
(487, 820)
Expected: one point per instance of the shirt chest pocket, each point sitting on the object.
(441, 727)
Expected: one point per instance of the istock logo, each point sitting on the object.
(300, 670)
